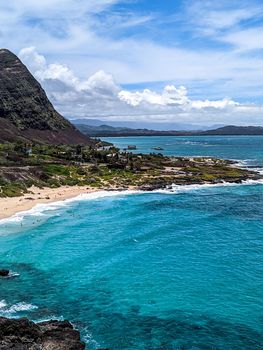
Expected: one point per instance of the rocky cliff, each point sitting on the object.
(25, 111)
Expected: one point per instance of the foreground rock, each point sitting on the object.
(4, 273)
(22, 334)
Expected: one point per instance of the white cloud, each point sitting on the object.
(223, 23)
(174, 98)
(170, 96)
(72, 32)
(219, 104)
(212, 17)
(69, 31)
(43, 71)
(100, 81)
(49, 8)
(227, 19)
(246, 39)
(100, 96)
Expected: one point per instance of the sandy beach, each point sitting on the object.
(10, 206)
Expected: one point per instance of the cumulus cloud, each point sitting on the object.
(100, 96)
(100, 82)
(170, 96)
(173, 97)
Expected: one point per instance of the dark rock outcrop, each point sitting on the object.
(22, 334)
(25, 111)
(4, 273)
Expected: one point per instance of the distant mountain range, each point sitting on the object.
(110, 131)
(235, 130)
(25, 111)
(165, 126)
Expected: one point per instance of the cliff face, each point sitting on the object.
(25, 111)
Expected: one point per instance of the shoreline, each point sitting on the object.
(13, 205)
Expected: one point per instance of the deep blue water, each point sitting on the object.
(163, 270)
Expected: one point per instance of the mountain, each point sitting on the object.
(164, 126)
(107, 130)
(235, 130)
(110, 131)
(25, 111)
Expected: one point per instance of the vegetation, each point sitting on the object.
(25, 164)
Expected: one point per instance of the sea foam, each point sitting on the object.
(11, 310)
(174, 189)
(43, 210)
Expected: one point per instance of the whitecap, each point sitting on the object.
(49, 318)
(259, 170)
(13, 274)
(174, 189)
(12, 310)
(3, 304)
(89, 339)
(45, 209)
(19, 307)
(248, 164)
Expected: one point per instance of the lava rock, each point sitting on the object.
(22, 334)
(4, 273)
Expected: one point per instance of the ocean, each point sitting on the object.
(248, 149)
(179, 269)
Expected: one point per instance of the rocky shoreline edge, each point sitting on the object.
(23, 334)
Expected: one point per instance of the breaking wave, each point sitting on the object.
(7, 310)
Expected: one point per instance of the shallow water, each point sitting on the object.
(162, 270)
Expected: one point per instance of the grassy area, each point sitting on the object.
(23, 165)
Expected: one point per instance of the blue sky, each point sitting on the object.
(196, 61)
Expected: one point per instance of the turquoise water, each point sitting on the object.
(230, 147)
(161, 270)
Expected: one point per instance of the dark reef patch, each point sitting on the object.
(133, 331)
(175, 330)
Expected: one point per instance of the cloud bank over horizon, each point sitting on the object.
(99, 96)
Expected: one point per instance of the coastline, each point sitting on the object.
(13, 205)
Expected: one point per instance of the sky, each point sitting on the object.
(156, 61)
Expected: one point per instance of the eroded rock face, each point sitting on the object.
(22, 334)
(25, 110)
(22, 100)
